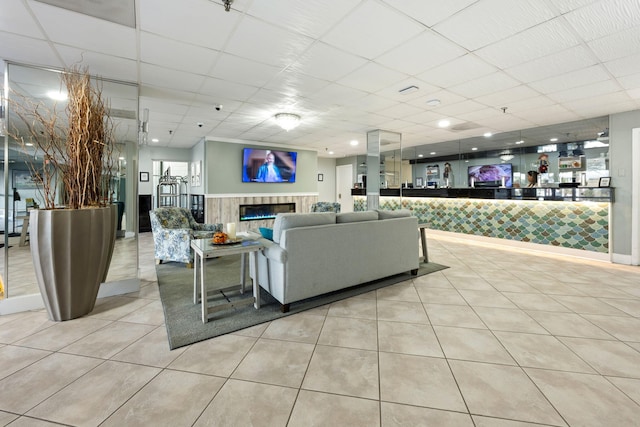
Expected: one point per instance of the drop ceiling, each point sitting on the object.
(341, 65)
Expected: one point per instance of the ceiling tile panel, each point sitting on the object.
(327, 62)
(619, 45)
(553, 65)
(240, 70)
(361, 32)
(171, 79)
(541, 40)
(28, 50)
(267, 43)
(572, 79)
(588, 91)
(485, 85)
(630, 82)
(506, 97)
(101, 65)
(605, 17)
(227, 90)
(624, 66)
(565, 6)
(446, 98)
(393, 92)
(433, 12)
(310, 17)
(421, 53)
(175, 54)
(15, 18)
(460, 70)
(197, 22)
(86, 32)
(372, 78)
(460, 108)
(296, 84)
(488, 21)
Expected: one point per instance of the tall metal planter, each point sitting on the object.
(71, 251)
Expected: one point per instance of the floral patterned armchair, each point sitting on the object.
(325, 207)
(173, 228)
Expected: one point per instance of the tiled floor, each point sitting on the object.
(503, 338)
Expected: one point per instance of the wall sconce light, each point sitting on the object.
(287, 121)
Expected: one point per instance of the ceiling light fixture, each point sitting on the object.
(444, 123)
(488, 134)
(57, 95)
(155, 140)
(287, 121)
(432, 153)
(519, 142)
(227, 5)
(474, 149)
(354, 142)
(553, 139)
(409, 89)
(433, 102)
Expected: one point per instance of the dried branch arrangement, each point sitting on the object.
(76, 146)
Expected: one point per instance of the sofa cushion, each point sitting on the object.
(344, 217)
(285, 221)
(400, 213)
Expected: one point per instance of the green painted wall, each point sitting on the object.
(223, 163)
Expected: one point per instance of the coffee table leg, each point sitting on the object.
(243, 267)
(195, 278)
(203, 293)
(423, 239)
(256, 284)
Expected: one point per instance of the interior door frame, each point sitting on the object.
(343, 189)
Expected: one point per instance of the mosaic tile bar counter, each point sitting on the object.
(572, 225)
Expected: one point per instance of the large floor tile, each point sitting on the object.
(242, 403)
(535, 301)
(62, 334)
(408, 338)
(587, 305)
(418, 381)
(400, 311)
(172, 398)
(361, 308)
(503, 392)
(218, 356)
(472, 344)
(586, 400)
(441, 296)
(395, 415)
(298, 327)
(344, 371)
(629, 386)
(151, 350)
(6, 418)
(489, 298)
(607, 357)
(275, 362)
(320, 409)
(481, 421)
(624, 328)
(404, 291)
(541, 351)
(349, 332)
(28, 387)
(451, 315)
(23, 326)
(15, 358)
(109, 340)
(568, 325)
(505, 319)
(150, 314)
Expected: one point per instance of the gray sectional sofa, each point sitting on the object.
(316, 253)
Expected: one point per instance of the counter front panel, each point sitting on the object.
(575, 225)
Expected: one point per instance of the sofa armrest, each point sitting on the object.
(208, 227)
(273, 251)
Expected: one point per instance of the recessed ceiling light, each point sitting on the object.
(519, 142)
(488, 134)
(474, 149)
(444, 123)
(57, 95)
(155, 140)
(330, 152)
(553, 139)
(409, 89)
(420, 155)
(433, 102)
(432, 153)
(354, 142)
(29, 144)
(120, 158)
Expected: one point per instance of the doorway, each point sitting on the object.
(344, 178)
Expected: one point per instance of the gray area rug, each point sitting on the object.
(183, 318)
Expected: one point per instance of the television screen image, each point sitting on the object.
(491, 175)
(260, 165)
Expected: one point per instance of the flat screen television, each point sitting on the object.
(262, 165)
(490, 175)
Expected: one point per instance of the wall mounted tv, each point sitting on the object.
(490, 175)
(260, 165)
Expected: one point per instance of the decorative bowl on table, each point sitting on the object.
(219, 238)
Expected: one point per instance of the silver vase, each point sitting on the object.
(71, 251)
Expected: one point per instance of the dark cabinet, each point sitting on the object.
(144, 206)
(197, 207)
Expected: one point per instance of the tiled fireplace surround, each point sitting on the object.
(225, 209)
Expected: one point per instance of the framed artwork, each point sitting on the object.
(605, 181)
(23, 179)
(320, 177)
(196, 173)
(144, 176)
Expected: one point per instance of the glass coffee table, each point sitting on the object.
(203, 249)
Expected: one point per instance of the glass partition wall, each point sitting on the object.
(574, 152)
(21, 194)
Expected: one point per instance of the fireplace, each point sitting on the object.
(265, 211)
